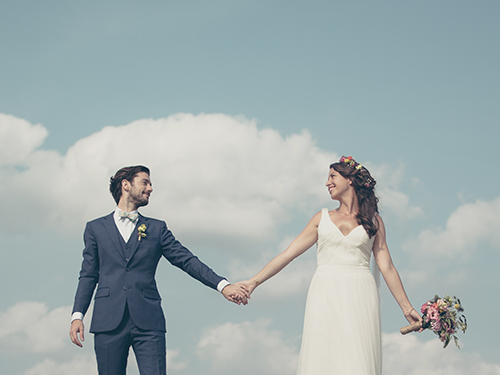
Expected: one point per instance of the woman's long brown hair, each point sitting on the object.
(363, 184)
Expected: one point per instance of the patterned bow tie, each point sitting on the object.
(128, 215)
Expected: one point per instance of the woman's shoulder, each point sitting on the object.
(377, 219)
(316, 219)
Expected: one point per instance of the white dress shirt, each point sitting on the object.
(124, 224)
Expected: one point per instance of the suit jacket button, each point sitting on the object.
(127, 259)
(126, 269)
(124, 288)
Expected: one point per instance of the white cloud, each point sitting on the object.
(398, 203)
(85, 364)
(18, 139)
(31, 327)
(79, 365)
(247, 348)
(216, 177)
(173, 360)
(214, 174)
(467, 227)
(254, 348)
(389, 179)
(410, 356)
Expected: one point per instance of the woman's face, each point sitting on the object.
(337, 184)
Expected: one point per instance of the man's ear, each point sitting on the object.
(126, 185)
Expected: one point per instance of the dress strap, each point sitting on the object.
(325, 216)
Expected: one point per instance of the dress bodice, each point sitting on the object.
(334, 248)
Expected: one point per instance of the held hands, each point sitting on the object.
(239, 292)
(236, 293)
(75, 330)
(249, 285)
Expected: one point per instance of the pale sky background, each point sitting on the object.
(238, 108)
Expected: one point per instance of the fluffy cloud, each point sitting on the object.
(31, 327)
(254, 348)
(216, 177)
(467, 227)
(18, 140)
(174, 362)
(410, 356)
(214, 174)
(86, 365)
(249, 347)
(79, 365)
(392, 200)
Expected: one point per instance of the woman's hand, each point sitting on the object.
(236, 293)
(413, 316)
(248, 285)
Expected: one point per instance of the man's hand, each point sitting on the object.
(75, 330)
(236, 293)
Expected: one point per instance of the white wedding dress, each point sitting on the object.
(342, 319)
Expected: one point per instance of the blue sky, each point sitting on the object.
(238, 107)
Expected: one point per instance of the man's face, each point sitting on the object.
(140, 189)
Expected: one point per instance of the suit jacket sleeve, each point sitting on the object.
(184, 259)
(89, 273)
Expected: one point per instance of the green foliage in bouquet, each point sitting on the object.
(444, 316)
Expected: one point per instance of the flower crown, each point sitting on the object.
(351, 162)
(369, 182)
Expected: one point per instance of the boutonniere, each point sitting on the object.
(141, 231)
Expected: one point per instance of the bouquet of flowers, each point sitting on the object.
(444, 316)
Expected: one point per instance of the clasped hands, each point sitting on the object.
(239, 293)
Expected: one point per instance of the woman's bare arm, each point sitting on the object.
(299, 245)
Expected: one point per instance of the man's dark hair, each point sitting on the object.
(126, 173)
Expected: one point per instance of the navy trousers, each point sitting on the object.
(112, 349)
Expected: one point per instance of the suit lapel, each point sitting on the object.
(109, 224)
(134, 237)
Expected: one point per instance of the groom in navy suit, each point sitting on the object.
(122, 251)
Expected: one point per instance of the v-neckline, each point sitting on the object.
(335, 225)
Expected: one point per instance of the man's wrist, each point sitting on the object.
(76, 316)
(222, 284)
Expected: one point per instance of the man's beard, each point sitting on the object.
(139, 199)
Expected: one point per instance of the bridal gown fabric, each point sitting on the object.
(342, 320)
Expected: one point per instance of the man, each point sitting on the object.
(122, 251)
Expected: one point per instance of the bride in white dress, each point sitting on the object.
(342, 321)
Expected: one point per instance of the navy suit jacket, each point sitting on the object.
(130, 280)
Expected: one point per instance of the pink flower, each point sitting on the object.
(432, 313)
(443, 306)
(436, 326)
(424, 308)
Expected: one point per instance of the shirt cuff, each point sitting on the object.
(222, 284)
(76, 315)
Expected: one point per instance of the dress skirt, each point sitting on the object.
(341, 333)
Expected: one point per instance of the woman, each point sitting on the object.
(342, 320)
